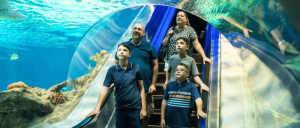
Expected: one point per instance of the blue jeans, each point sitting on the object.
(128, 119)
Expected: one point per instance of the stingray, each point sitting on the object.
(7, 13)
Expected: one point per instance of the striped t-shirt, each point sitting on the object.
(181, 99)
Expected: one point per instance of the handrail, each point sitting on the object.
(87, 120)
(212, 120)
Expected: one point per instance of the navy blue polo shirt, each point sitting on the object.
(181, 99)
(142, 55)
(126, 87)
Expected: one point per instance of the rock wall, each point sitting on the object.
(37, 107)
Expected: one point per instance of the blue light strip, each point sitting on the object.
(212, 36)
(159, 24)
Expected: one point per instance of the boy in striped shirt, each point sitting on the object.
(178, 101)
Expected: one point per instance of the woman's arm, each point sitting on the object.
(200, 50)
(167, 38)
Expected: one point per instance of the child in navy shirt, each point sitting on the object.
(129, 91)
(178, 100)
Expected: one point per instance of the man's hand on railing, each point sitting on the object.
(201, 114)
(94, 112)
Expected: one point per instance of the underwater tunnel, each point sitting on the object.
(253, 79)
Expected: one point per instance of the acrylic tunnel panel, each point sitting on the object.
(66, 103)
(255, 90)
(259, 55)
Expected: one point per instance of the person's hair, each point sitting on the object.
(186, 40)
(185, 66)
(124, 45)
(187, 17)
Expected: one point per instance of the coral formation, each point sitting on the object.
(103, 52)
(96, 57)
(58, 87)
(21, 106)
(17, 85)
(57, 98)
(90, 69)
(35, 107)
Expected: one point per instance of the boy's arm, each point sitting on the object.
(163, 110)
(196, 96)
(143, 98)
(167, 79)
(169, 69)
(199, 109)
(202, 85)
(195, 74)
(101, 98)
(108, 80)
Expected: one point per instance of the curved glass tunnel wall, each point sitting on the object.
(273, 35)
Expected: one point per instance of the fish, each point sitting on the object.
(7, 13)
(14, 56)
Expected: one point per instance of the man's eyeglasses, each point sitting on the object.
(181, 70)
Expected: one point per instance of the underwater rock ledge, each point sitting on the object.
(36, 107)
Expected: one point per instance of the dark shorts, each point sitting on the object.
(128, 119)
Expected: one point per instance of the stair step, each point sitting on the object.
(154, 126)
(157, 96)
